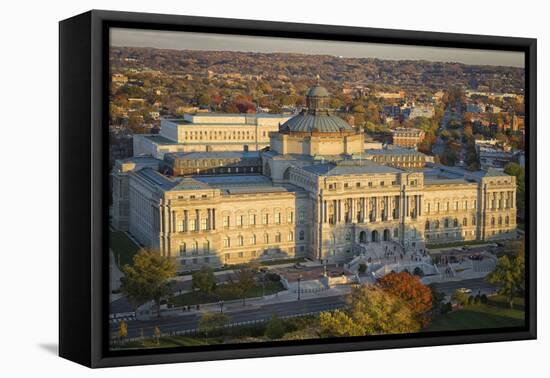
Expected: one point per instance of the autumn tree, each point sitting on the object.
(414, 293)
(148, 278)
(204, 280)
(370, 311)
(122, 329)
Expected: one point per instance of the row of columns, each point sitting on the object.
(365, 209)
(501, 200)
(172, 217)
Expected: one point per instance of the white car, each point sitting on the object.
(464, 290)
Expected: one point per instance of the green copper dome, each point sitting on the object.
(317, 91)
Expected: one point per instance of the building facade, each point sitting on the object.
(317, 196)
(407, 137)
(209, 132)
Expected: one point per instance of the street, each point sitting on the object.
(190, 321)
(475, 284)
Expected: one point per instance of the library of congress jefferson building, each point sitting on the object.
(315, 192)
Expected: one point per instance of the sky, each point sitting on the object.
(177, 40)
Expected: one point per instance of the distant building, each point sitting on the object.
(407, 137)
(391, 95)
(427, 111)
(119, 78)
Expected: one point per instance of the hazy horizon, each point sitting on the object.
(177, 40)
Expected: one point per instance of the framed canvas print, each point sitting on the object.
(234, 188)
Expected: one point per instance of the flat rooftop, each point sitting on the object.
(350, 167)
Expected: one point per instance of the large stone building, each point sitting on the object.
(317, 196)
(209, 132)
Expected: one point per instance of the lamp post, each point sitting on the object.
(263, 284)
(299, 279)
(221, 306)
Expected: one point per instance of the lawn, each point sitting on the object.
(502, 301)
(123, 248)
(225, 292)
(476, 317)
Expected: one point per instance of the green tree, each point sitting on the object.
(204, 280)
(148, 278)
(245, 282)
(370, 311)
(510, 273)
(516, 170)
(460, 297)
(275, 328)
(211, 321)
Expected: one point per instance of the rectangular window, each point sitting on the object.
(180, 225)
(277, 218)
(290, 217)
(204, 222)
(192, 224)
(240, 219)
(265, 218)
(301, 216)
(252, 219)
(226, 221)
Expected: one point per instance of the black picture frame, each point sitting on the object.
(83, 163)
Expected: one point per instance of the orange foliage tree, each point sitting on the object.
(413, 292)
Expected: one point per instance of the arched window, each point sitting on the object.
(226, 242)
(302, 235)
(278, 237)
(446, 223)
(455, 222)
(507, 220)
(206, 246)
(241, 240)
(290, 236)
(464, 222)
(266, 238)
(492, 221)
(436, 224)
(427, 225)
(473, 220)
(195, 247)
(183, 249)
(253, 240)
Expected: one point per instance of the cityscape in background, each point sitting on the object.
(272, 196)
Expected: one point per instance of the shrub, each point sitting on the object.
(470, 300)
(483, 299)
(275, 328)
(418, 272)
(477, 299)
(273, 277)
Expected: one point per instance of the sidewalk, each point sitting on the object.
(285, 296)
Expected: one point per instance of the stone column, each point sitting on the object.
(186, 220)
(213, 218)
(197, 220)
